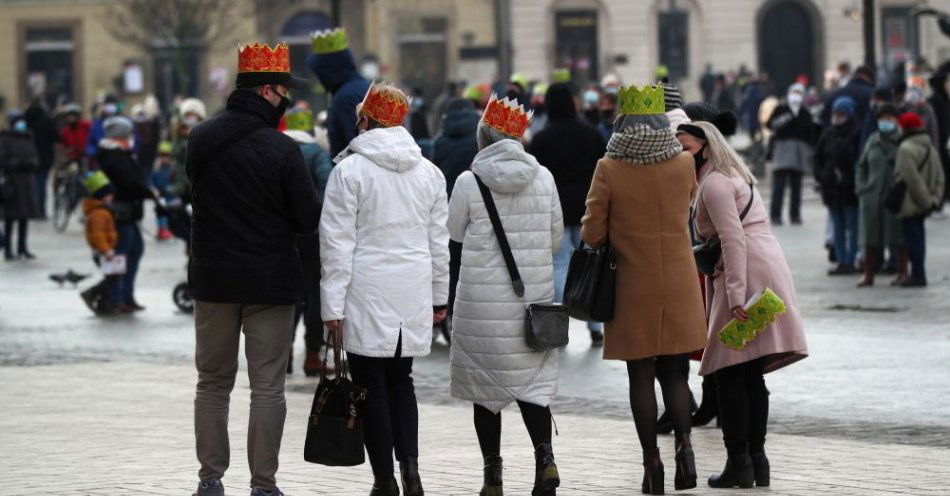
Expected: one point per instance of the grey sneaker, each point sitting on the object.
(211, 487)
(262, 492)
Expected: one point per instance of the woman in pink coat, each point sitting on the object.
(752, 260)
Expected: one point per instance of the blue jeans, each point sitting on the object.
(844, 220)
(562, 259)
(132, 246)
(915, 241)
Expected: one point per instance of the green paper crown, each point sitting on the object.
(561, 75)
(300, 120)
(96, 181)
(645, 101)
(329, 41)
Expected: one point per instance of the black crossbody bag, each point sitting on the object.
(546, 326)
(708, 253)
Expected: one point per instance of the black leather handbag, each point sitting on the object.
(546, 326)
(708, 253)
(335, 429)
(590, 289)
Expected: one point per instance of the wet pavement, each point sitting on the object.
(878, 368)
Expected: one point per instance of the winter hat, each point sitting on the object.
(843, 105)
(194, 106)
(671, 96)
(726, 122)
(887, 109)
(560, 101)
(98, 185)
(910, 121)
(117, 127)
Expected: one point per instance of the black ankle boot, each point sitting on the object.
(709, 408)
(411, 483)
(761, 469)
(492, 485)
(385, 486)
(652, 472)
(546, 477)
(685, 477)
(737, 473)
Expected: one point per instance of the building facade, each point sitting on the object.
(783, 38)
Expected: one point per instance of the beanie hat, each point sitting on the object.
(887, 109)
(98, 185)
(726, 122)
(193, 106)
(671, 96)
(117, 127)
(910, 121)
(843, 105)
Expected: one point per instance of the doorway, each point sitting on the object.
(788, 43)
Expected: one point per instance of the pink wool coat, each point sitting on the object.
(752, 259)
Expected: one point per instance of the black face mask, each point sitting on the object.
(698, 157)
(283, 105)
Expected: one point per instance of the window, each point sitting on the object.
(673, 29)
(49, 63)
(576, 50)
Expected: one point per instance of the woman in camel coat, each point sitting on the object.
(639, 200)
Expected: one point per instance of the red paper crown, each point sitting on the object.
(506, 116)
(261, 58)
(386, 104)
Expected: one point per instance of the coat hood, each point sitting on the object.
(390, 148)
(333, 69)
(459, 123)
(505, 166)
(89, 204)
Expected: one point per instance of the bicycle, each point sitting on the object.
(68, 191)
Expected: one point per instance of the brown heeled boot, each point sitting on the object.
(870, 267)
(652, 472)
(685, 477)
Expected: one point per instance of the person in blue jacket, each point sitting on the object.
(333, 64)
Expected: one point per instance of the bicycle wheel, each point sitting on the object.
(61, 201)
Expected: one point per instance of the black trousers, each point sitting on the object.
(537, 419)
(743, 407)
(21, 236)
(390, 413)
(313, 327)
(794, 180)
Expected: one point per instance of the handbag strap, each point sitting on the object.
(748, 206)
(516, 283)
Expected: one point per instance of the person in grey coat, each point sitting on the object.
(792, 152)
(491, 364)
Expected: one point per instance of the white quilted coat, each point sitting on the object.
(383, 245)
(491, 364)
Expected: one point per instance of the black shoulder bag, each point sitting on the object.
(590, 290)
(708, 253)
(894, 199)
(335, 430)
(546, 326)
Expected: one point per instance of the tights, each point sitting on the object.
(488, 426)
(676, 395)
(743, 407)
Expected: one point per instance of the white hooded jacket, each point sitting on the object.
(383, 245)
(490, 361)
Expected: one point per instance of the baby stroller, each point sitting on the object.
(179, 223)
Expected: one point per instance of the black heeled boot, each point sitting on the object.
(385, 487)
(546, 477)
(685, 477)
(737, 473)
(652, 472)
(492, 485)
(664, 424)
(709, 408)
(411, 483)
(761, 469)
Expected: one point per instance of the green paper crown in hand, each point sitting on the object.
(329, 41)
(300, 120)
(762, 312)
(642, 101)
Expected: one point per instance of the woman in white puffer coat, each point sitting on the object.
(492, 365)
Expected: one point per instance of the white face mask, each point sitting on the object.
(190, 121)
(795, 99)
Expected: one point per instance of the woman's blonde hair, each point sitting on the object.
(721, 157)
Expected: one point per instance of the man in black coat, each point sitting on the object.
(570, 149)
(859, 88)
(253, 253)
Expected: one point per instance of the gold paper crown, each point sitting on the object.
(385, 104)
(646, 101)
(329, 41)
(261, 58)
(506, 116)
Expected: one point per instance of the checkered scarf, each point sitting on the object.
(643, 145)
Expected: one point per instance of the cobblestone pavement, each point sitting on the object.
(125, 428)
(868, 411)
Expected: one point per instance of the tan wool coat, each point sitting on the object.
(644, 211)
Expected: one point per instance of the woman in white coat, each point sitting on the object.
(492, 366)
(385, 276)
